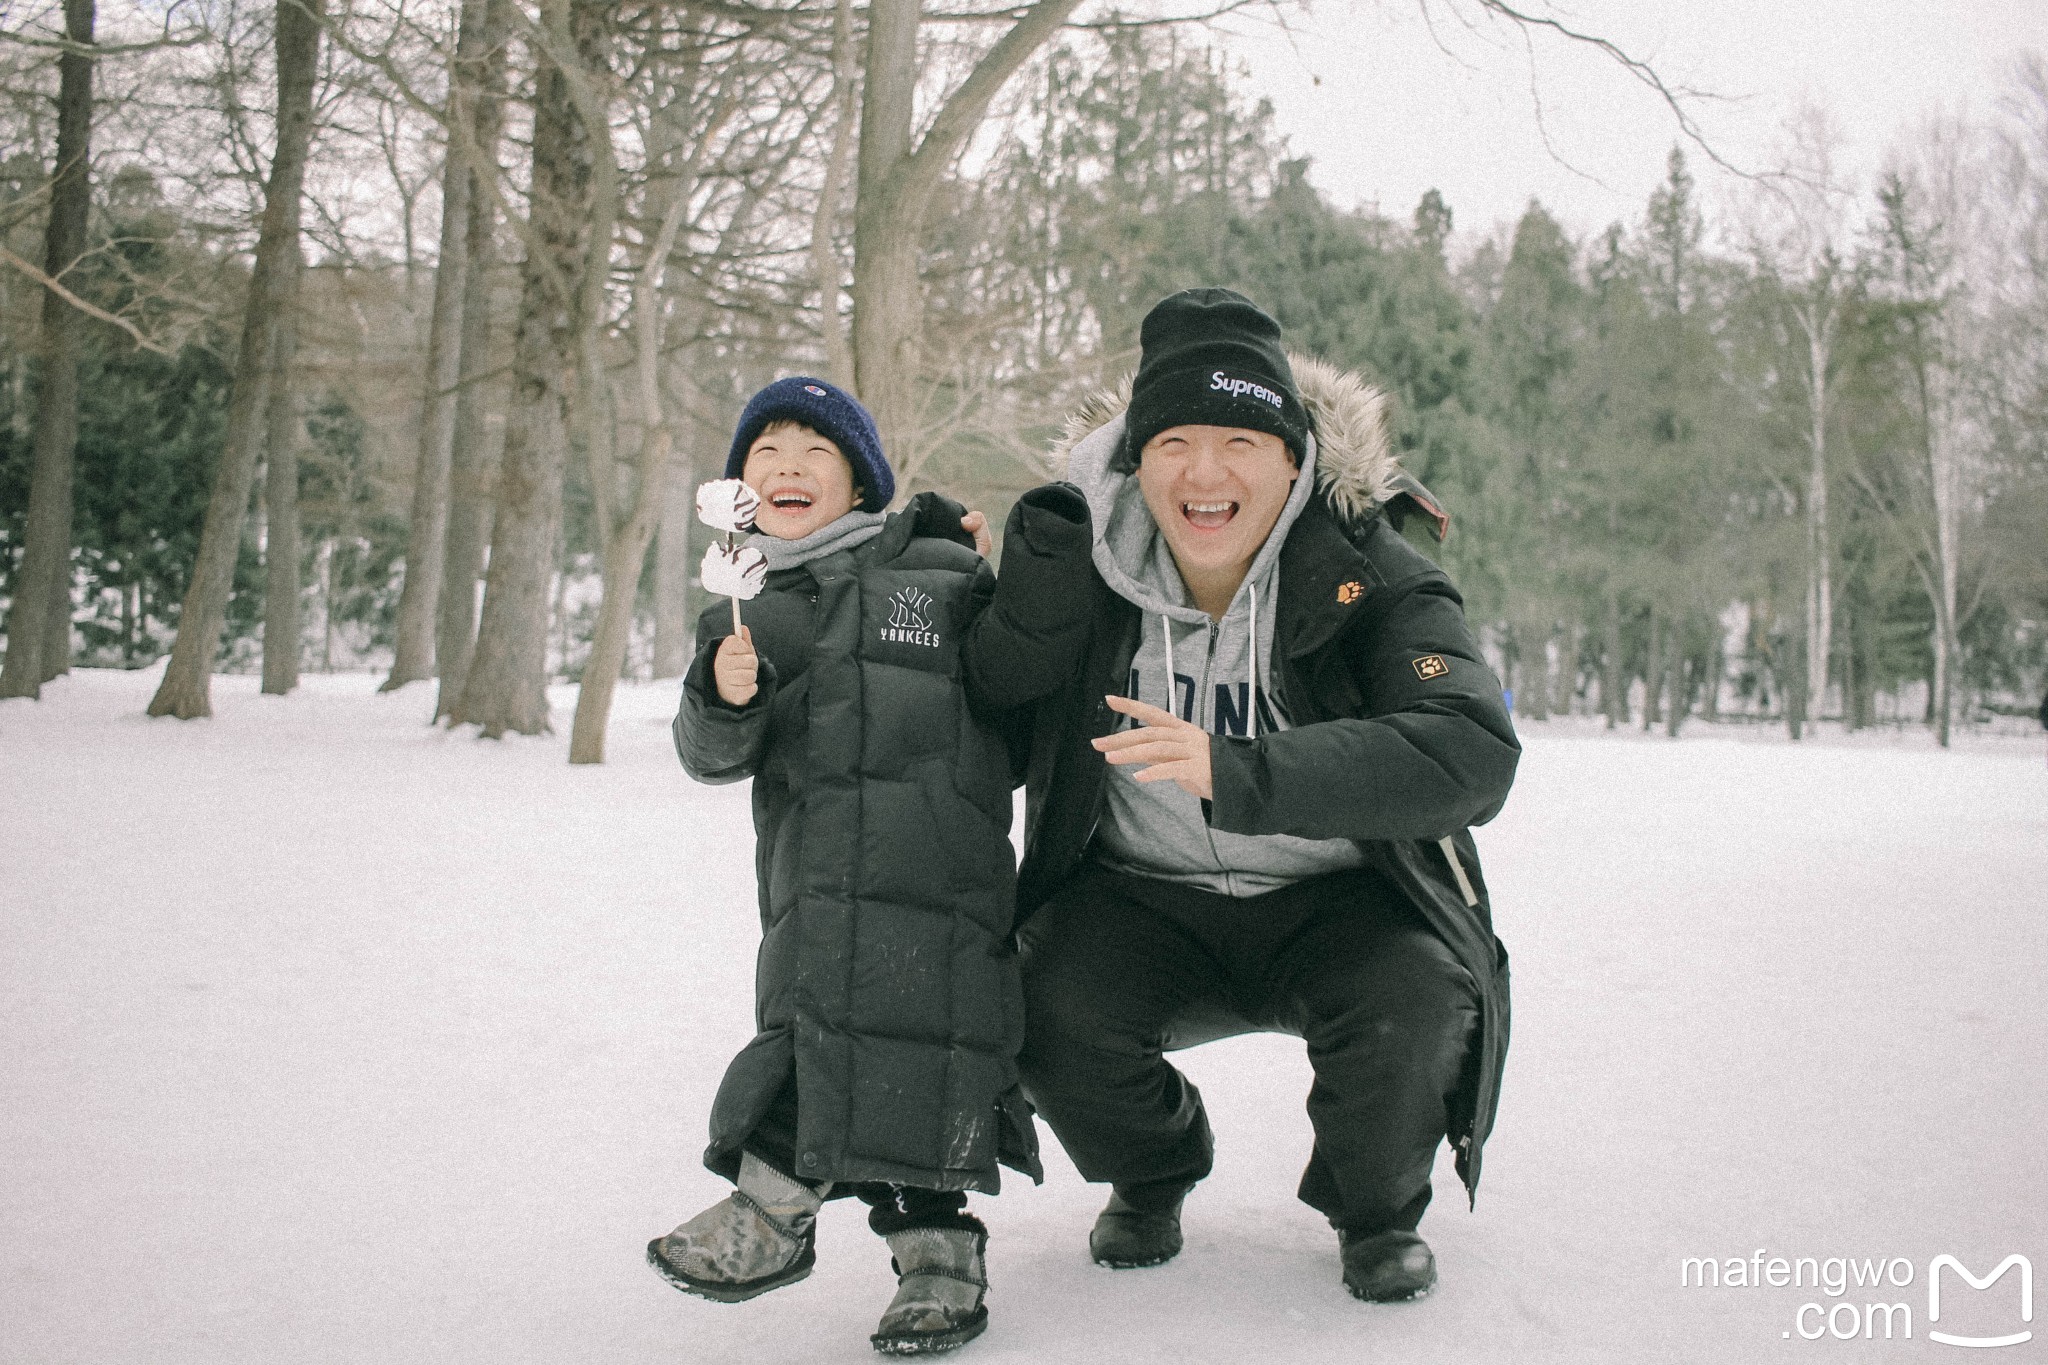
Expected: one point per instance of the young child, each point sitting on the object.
(888, 1007)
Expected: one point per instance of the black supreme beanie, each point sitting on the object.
(1212, 357)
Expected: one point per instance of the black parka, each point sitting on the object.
(1400, 735)
(886, 983)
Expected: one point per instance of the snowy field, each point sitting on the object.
(329, 1037)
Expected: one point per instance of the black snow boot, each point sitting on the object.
(1127, 1236)
(1387, 1267)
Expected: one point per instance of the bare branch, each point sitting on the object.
(1636, 67)
(90, 309)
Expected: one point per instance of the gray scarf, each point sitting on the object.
(854, 529)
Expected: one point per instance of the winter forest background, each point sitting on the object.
(370, 306)
(350, 345)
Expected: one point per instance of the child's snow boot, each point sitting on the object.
(759, 1237)
(1126, 1236)
(1387, 1267)
(941, 1279)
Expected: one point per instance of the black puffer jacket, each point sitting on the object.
(1400, 736)
(885, 983)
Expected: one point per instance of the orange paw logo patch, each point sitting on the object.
(1431, 666)
(1347, 593)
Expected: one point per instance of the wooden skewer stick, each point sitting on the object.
(736, 626)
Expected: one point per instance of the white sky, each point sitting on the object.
(1388, 104)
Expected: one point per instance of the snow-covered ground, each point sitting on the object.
(327, 1036)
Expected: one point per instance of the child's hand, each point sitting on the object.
(734, 667)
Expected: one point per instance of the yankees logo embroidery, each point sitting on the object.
(910, 620)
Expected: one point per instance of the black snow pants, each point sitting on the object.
(1119, 969)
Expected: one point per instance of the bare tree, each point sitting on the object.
(825, 219)
(186, 688)
(281, 625)
(426, 546)
(625, 537)
(1926, 491)
(897, 171)
(39, 625)
(561, 286)
(1798, 246)
(469, 494)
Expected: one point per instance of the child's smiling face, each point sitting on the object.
(805, 482)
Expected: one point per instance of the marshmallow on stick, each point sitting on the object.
(730, 569)
(734, 571)
(727, 505)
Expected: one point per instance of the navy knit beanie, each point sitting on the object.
(1212, 357)
(830, 411)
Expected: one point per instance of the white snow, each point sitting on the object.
(327, 1036)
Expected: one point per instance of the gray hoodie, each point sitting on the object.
(1156, 829)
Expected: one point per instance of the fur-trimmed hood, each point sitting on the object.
(1357, 471)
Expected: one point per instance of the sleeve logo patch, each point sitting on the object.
(1347, 593)
(1431, 666)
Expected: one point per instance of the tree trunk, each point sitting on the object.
(186, 688)
(673, 563)
(825, 262)
(1817, 319)
(1820, 590)
(1532, 691)
(427, 536)
(281, 625)
(506, 683)
(39, 624)
(1564, 699)
(1947, 516)
(1653, 674)
(470, 475)
(1679, 669)
(887, 303)
(893, 182)
(1613, 692)
(1792, 687)
(626, 539)
(1717, 668)
(624, 558)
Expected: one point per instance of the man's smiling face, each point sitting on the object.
(1216, 493)
(805, 482)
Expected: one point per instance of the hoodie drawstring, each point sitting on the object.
(1166, 632)
(1252, 664)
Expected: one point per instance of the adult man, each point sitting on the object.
(1298, 729)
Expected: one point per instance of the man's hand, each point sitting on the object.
(1171, 749)
(734, 666)
(976, 524)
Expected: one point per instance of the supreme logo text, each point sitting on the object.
(1244, 388)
